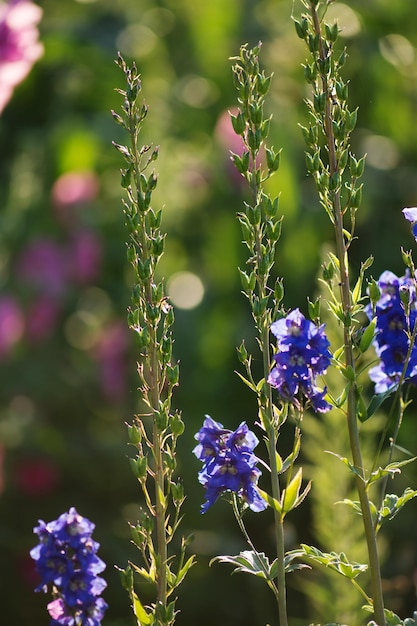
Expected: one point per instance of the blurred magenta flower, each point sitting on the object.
(19, 45)
(43, 265)
(84, 256)
(36, 477)
(11, 324)
(110, 352)
(41, 318)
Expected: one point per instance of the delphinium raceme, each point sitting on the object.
(393, 310)
(302, 350)
(394, 329)
(68, 565)
(336, 173)
(154, 433)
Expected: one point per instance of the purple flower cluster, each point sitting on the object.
(228, 463)
(19, 45)
(66, 559)
(303, 354)
(393, 328)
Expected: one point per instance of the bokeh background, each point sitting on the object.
(67, 362)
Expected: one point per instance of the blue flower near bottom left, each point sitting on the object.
(66, 559)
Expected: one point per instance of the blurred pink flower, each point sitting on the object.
(11, 324)
(42, 316)
(72, 190)
(43, 265)
(36, 477)
(19, 45)
(231, 142)
(84, 255)
(225, 134)
(110, 352)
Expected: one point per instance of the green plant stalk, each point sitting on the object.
(250, 543)
(154, 384)
(251, 100)
(341, 249)
(279, 529)
(263, 327)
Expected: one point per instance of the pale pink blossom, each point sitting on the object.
(19, 44)
(71, 192)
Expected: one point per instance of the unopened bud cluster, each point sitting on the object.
(261, 226)
(151, 318)
(329, 161)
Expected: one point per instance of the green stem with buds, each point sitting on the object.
(151, 318)
(261, 231)
(335, 210)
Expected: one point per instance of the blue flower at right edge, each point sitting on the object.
(394, 325)
(303, 355)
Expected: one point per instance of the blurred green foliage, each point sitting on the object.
(68, 389)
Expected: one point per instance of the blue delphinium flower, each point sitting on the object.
(303, 354)
(66, 558)
(393, 329)
(229, 463)
(410, 214)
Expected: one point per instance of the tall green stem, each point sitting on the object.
(346, 299)
(263, 323)
(154, 384)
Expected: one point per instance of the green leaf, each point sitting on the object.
(377, 400)
(149, 576)
(291, 492)
(368, 335)
(183, 571)
(337, 562)
(357, 290)
(247, 382)
(292, 456)
(248, 561)
(388, 470)
(346, 461)
(140, 613)
(392, 503)
(274, 504)
(361, 410)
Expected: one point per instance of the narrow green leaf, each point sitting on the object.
(377, 400)
(274, 504)
(291, 493)
(149, 576)
(346, 461)
(140, 613)
(357, 290)
(292, 456)
(183, 571)
(367, 336)
(247, 382)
